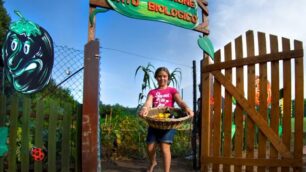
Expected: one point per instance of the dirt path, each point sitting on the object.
(178, 165)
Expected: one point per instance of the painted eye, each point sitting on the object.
(26, 48)
(14, 44)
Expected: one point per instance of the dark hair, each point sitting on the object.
(161, 69)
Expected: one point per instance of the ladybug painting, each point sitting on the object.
(38, 154)
(27, 55)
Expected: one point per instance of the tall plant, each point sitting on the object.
(148, 75)
(174, 75)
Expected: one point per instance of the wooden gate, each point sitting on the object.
(48, 125)
(239, 135)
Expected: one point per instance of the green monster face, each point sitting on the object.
(28, 56)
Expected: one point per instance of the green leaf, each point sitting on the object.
(206, 45)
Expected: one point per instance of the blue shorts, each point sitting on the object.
(157, 135)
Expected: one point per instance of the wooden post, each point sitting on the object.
(90, 117)
(195, 126)
(206, 81)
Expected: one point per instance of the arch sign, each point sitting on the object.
(181, 13)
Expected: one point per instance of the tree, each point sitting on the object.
(4, 25)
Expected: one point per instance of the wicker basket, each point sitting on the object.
(166, 123)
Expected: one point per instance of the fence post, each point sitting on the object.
(25, 160)
(52, 127)
(12, 166)
(90, 117)
(195, 126)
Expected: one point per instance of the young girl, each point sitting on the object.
(159, 97)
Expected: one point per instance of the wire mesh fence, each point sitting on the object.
(68, 70)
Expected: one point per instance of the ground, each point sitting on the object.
(178, 165)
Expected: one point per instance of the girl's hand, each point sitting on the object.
(189, 112)
(144, 111)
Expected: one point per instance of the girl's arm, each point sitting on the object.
(182, 104)
(147, 105)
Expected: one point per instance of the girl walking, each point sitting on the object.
(163, 96)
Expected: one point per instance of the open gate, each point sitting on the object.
(238, 134)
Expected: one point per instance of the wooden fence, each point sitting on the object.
(52, 126)
(258, 144)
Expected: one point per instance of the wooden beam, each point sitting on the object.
(262, 162)
(100, 3)
(254, 115)
(255, 59)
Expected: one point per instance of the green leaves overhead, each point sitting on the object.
(206, 45)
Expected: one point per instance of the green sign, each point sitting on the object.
(182, 13)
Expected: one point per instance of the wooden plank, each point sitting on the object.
(25, 161)
(2, 122)
(299, 105)
(239, 111)
(203, 26)
(257, 162)
(227, 121)
(12, 166)
(262, 140)
(250, 60)
(286, 119)
(52, 138)
(205, 120)
(216, 137)
(274, 114)
(262, 124)
(39, 121)
(100, 3)
(203, 6)
(66, 137)
(217, 116)
(251, 98)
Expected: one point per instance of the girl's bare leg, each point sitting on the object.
(165, 148)
(151, 148)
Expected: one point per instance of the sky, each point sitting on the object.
(154, 42)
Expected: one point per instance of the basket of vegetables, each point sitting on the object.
(166, 118)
